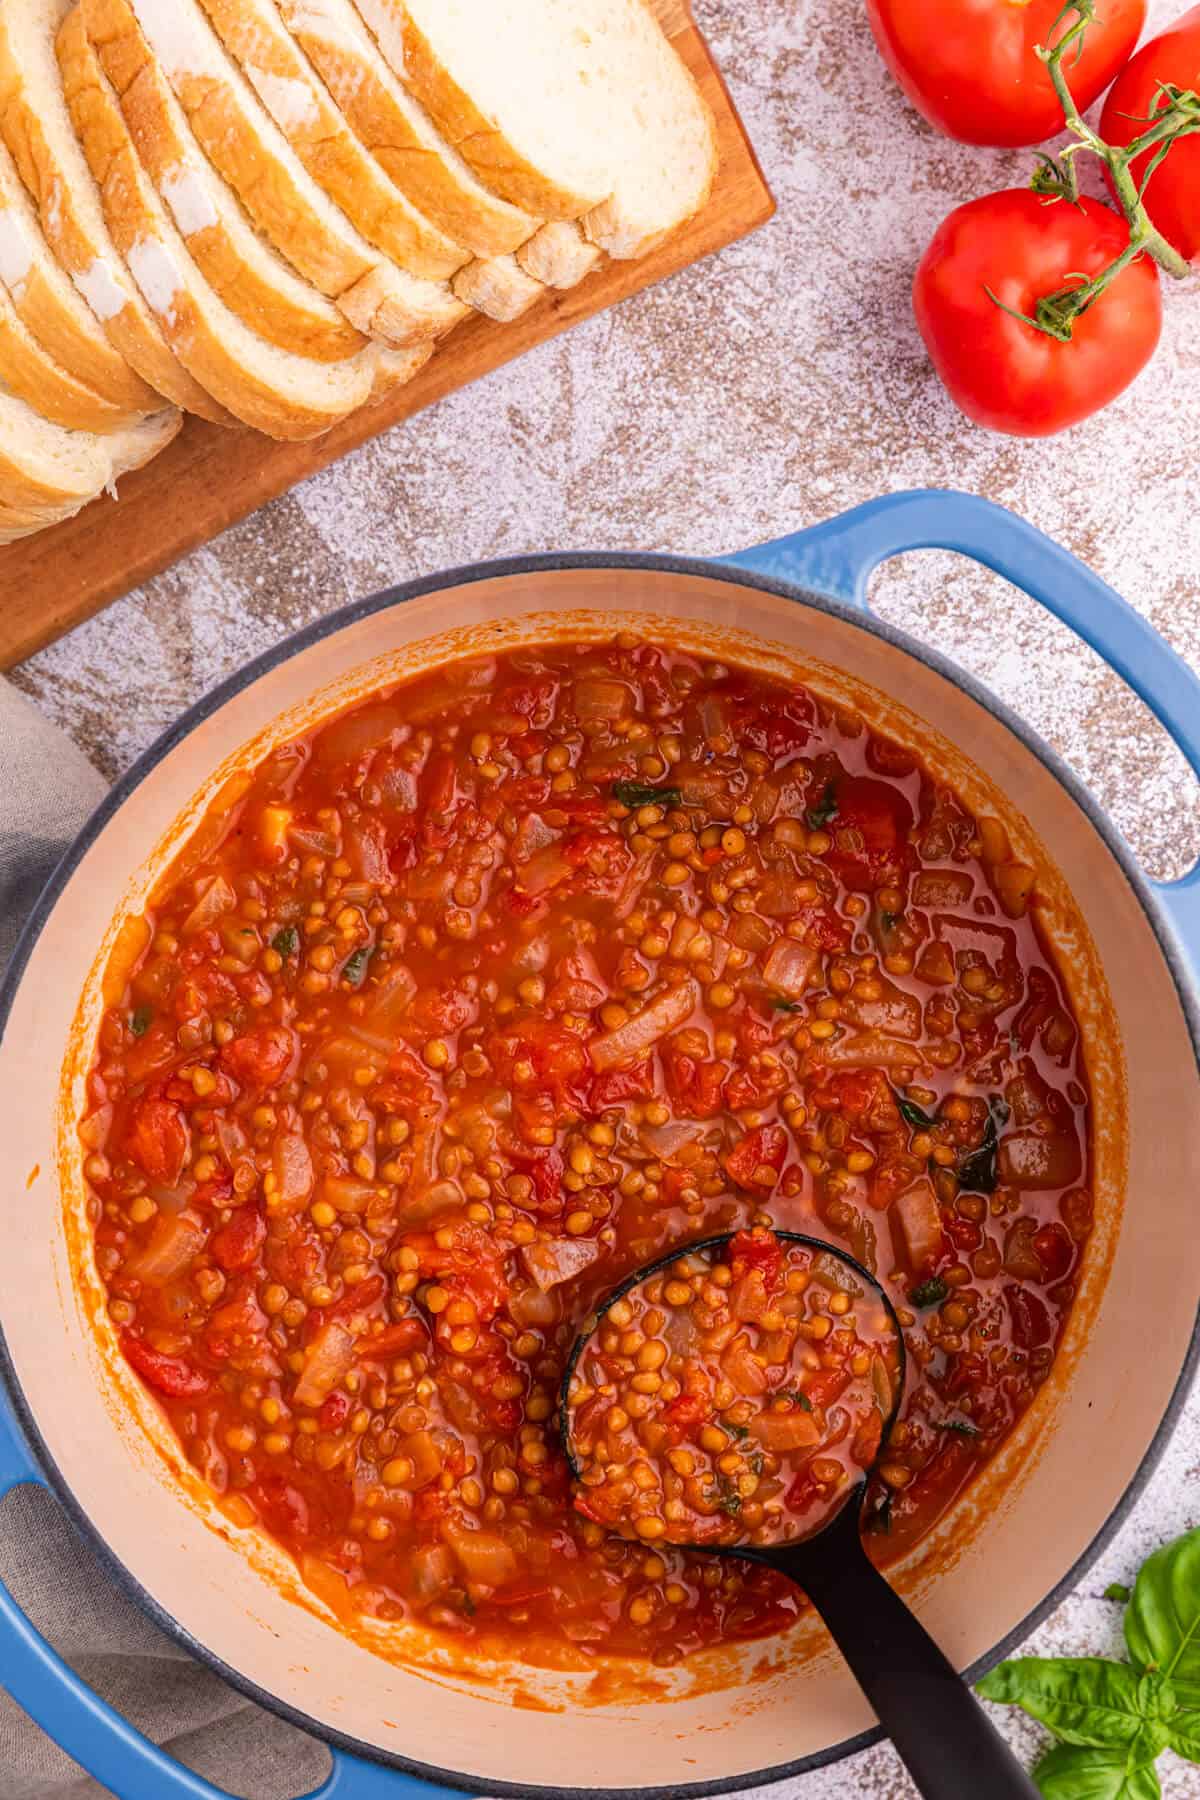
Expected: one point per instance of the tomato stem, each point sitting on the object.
(1177, 117)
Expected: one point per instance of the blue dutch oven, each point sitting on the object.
(73, 1418)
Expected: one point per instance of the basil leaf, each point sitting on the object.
(1068, 1773)
(735, 1431)
(1162, 1623)
(912, 1114)
(638, 793)
(1116, 1590)
(789, 1006)
(929, 1293)
(140, 1021)
(286, 942)
(961, 1426)
(1083, 1699)
(796, 1397)
(355, 967)
(818, 816)
(1183, 1735)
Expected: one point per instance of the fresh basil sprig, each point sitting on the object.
(1114, 1719)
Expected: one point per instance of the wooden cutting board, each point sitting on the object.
(209, 478)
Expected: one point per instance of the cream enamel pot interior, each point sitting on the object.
(1030, 1524)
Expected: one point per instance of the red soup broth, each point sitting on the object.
(496, 987)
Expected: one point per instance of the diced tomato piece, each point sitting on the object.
(334, 1412)
(757, 1250)
(1054, 1250)
(236, 1245)
(753, 1087)
(755, 1162)
(262, 1057)
(684, 1416)
(157, 1139)
(281, 1506)
(862, 1096)
(826, 1386)
(870, 831)
(1031, 1327)
(395, 1340)
(964, 1234)
(696, 1087)
(170, 1376)
(615, 1085)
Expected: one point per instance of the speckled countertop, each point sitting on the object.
(761, 391)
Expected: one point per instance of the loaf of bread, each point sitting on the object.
(270, 212)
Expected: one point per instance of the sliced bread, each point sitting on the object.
(300, 104)
(559, 255)
(37, 129)
(49, 305)
(603, 119)
(399, 132)
(283, 395)
(251, 278)
(248, 150)
(504, 82)
(29, 371)
(47, 472)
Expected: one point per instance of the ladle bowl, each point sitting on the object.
(939, 1729)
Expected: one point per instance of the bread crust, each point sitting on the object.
(239, 140)
(499, 162)
(255, 36)
(191, 313)
(154, 373)
(394, 127)
(266, 295)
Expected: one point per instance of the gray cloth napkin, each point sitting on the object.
(47, 789)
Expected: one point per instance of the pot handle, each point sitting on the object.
(839, 557)
(88, 1729)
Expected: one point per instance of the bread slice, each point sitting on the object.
(48, 304)
(603, 119)
(47, 472)
(503, 81)
(276, 392)
(37, 129)
(117, 454)
(246, 147)
(251, 278)
(26, 369)
(292, 92)
(399, 132)
(559, 255)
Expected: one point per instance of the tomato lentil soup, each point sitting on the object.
(494, 988)
(736, 1397)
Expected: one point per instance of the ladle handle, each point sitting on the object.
(943, 1736)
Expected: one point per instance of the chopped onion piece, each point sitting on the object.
(666, 1141)
(555, 1260)
(330, 1356)
(293, 1171)
(485, 1557)
(601, 701)
(790, 967)
(869, 1050)
(633, 1039)
(390, 1001)
(347, 1194)
(217, 899)
(175, 1240)
(543, 871)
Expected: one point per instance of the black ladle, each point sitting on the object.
(942, 1734)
